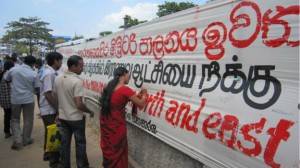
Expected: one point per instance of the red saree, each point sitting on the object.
(113, 130)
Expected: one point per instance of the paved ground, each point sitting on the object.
(31, 156)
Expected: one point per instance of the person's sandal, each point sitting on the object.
(16, 146)
(28, 142)
(7, 135)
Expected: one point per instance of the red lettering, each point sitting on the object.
(172, 42)
(258, 127)
(97, 52)
(132, 44)
(189, 36)
(230, 123)
(153, 102)
(149, 100)
(193, 126)
(86, 84)
(106, 50)
(207, 124)
(146, 46)
(276, 19)
(119, 47)
(189, 122)
(93, 85)
(89, 53)
(102, 45)
(183, 108)
(186, 41)
(170, 113)
(277, 134)
(112, 47)
(80, 53)
(212, 40)
(125, 48)
(158, 47)
(243, 20)
(160, 102)
(157, 103)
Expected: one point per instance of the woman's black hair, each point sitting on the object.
(109, 89)
(7, 65)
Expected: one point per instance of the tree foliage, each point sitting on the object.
(21, 48)
(131, 22)
(172, 7)
(28, 32)
(105, 33)
(60, 40)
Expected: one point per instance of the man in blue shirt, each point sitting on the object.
(39, 65)
(1, 65)
(24, 80)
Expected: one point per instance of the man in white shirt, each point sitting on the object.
(47, 103)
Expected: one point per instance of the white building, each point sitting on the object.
(6, 49)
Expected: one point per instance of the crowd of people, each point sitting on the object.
(19, 84)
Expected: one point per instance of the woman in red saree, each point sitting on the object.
(112, 118)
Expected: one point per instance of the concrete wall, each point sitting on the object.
(147, 151)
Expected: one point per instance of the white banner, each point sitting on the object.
(223, 80)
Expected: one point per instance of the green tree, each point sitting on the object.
(60, 40)
(105, 33)
(172, 7)
(131, 22)
(77, 37)
(21, 48)
(28, 32)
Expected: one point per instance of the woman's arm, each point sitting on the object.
(141, 98)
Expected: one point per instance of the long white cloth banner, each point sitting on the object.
(223, 80)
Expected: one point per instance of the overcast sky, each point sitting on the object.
(85, 17)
